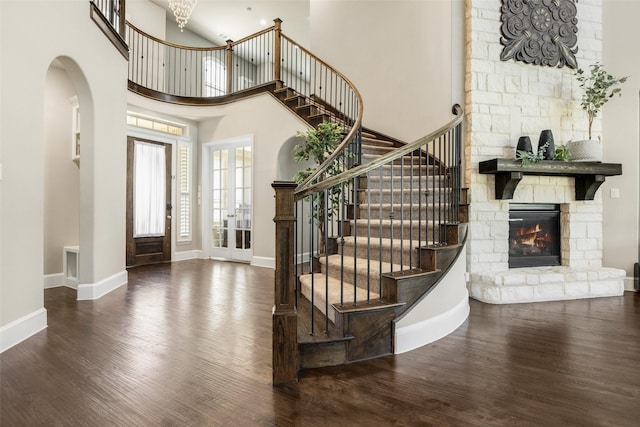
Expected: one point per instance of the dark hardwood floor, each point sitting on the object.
(189, 344)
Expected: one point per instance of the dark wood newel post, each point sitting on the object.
(285, 330)
(277, 44)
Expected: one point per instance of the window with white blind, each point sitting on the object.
(184, 191)
(215, 77)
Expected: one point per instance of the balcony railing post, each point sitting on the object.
(122, 20)
(229, 61)
(277, 45)
(285, 331)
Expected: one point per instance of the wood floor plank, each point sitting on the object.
(189, 344)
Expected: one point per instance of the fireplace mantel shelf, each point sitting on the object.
(588, 175)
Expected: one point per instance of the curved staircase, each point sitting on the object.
(387, 253)
(399, 215)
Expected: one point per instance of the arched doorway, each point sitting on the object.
(68, 124)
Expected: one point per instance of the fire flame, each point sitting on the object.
(533, 236)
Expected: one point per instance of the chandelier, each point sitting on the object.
(182, 10)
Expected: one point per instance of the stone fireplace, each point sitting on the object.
(503, 101)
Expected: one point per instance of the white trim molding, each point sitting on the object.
(260, 261)
(19, 330)
(440, 313)
(187, 255)
(429, 330)
(92, 291)
(53, 280)
(628, 284)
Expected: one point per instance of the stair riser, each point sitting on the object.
(417, 161)
(404, 183)
(406, 197)
(398, 230)
(409, 253)
(360, 278)
(409, 213)
(297, 101)
(405, 170)
(376, 149)
(319, 299)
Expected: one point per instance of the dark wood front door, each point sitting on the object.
(148, 202)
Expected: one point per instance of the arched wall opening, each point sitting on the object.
(61, 226)
(68, 176)
(287, 166)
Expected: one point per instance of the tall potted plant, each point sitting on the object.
(318, 145)
(598, 88)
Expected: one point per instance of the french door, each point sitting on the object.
(148, 202)
(228, 204)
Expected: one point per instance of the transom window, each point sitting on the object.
(158, 125)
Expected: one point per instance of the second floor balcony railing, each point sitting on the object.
(184, 74)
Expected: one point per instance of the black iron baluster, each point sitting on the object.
(342, 227)
(401, 214)
(380, 216)
(355, 244)
(326, 261)
(368, 238)
(311, 270)
(411, 213)
(391, 217)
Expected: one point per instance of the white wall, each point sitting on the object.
(271, 124)
(398, 53)
(101, 86)
(621, 136)
(147, 17)
(62, 175)
(185, 37)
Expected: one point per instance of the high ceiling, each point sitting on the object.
(220, 20)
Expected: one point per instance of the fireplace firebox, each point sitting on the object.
(534, 235)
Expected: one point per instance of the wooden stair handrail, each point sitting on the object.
(352, 132)
(211, 48)
(387, 158)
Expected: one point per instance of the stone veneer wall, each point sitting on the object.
(504, 100)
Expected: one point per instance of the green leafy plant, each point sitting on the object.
(318, 145)
(599, 86)
(562, 153)
(528, 157)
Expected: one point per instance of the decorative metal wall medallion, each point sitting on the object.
(541, 32)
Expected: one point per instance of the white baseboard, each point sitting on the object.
(259, 261)
(187, 255)
(53, 280)
(19, 330)
(303, 258)
(91, 291)
(628, 284)
(422, 333)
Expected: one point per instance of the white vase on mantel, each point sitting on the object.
(587, 150)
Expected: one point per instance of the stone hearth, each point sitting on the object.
(534, 284)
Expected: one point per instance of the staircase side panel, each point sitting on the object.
(440, 313)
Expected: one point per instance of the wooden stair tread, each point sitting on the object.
(334, 289)
(377, 142)
(414, 272)
(377, 242)
(367, 306)
(361, 265)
